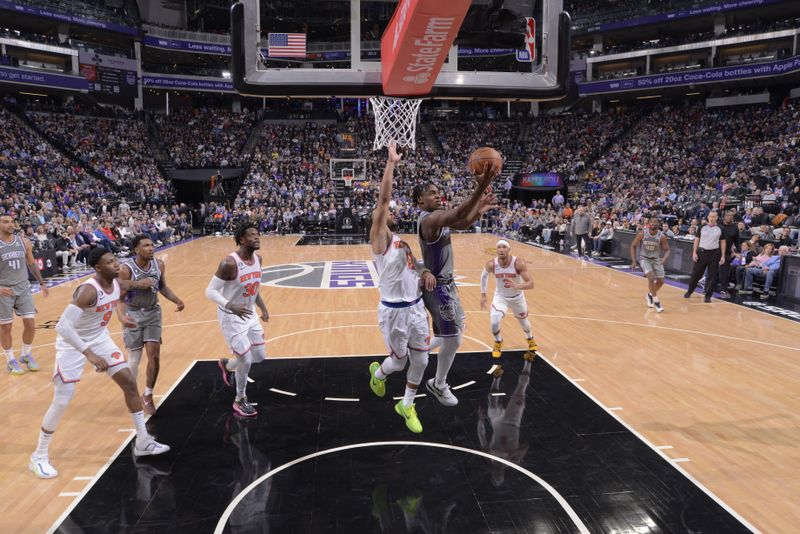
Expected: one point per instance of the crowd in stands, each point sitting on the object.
(567, 143)
(679, 162)
(676, 160)
(207, 137)
(58, 205)
(115, 148)
(288, 179)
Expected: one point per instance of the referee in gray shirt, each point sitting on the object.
(709, 253)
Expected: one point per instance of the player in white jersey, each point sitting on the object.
(401, 312)
(234, 288)
(512, 278)
(83, 336)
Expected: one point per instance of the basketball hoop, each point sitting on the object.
(347, 177)
(395, 120)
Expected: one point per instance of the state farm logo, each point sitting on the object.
(427, 50)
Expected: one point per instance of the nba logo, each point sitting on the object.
(527, 54)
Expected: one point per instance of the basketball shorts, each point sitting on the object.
(444, 305)
(240, 334)
(652, 265)
(21, 303)
(404, 328)
(148, 327)
(517, 305)
(70, 363)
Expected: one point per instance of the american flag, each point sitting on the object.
(287, 45)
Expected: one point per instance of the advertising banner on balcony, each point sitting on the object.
(66, 17)
(181, 45)
(690, 77)
(43, 79)
(186, 83)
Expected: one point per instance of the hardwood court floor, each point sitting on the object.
(716, 383)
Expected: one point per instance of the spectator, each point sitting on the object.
(766, 269)
(602, 239)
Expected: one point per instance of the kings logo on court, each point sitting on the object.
(338, 274)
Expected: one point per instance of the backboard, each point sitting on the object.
(504, 50)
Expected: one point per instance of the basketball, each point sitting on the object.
(484, 156)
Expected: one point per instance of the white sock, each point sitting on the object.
(148, 391)
(44, 443)
(408, 397)
(379, 374)
(26, 350)
(141, 430)
(9, 354)
(232, 364)
(497, 336)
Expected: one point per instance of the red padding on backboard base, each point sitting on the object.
(416, 43)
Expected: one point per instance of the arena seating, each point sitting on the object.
(206, 138)
(60, 206)
(116, 148)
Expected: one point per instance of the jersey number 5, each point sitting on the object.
(250, 289)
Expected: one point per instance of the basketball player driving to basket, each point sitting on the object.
(443, 303)
(401, 313)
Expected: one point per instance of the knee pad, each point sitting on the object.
(393, 364)
(418, 361)
(258, 353)
(494, 318)
(246, 358)
(62, 395)
(134, 357)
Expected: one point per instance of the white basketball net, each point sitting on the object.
(395, 120)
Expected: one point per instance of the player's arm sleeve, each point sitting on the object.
(214, 291)
(66, 328)
(484, 281)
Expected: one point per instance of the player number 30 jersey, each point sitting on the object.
(244, 288)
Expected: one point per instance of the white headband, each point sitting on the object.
(503, 242)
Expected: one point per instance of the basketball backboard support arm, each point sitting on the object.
(549, 82)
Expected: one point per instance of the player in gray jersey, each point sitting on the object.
(443, 303)
(143, 307)
(654, 243)
(16, 259)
